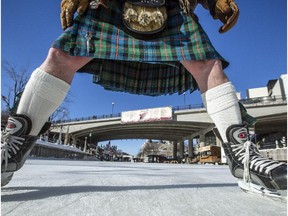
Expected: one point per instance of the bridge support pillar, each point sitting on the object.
(174, 149)
(85, 144)
(190, 148)
(67, 136)
(202, 139)
(181, 149)
(67, 139)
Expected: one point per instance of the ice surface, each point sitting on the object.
(71, 187)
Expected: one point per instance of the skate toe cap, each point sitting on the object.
(279, 177)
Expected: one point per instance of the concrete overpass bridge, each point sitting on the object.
(186, 123)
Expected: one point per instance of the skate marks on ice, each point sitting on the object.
(103, 188)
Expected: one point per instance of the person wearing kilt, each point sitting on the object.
(148, 47)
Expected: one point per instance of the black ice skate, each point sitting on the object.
(16, 145)
(255, 173)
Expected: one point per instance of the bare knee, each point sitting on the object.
(63, 60)
(60, 64)
(57, 55)
(208, 73)
(201, 66)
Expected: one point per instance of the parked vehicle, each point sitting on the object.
(210, 154)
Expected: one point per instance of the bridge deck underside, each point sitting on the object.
(271, 124)
(166, 130)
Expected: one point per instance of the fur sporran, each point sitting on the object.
(144, 18)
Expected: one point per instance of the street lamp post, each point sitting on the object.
(90, 135)
(112, 108)
(64, 113)
(184, 98)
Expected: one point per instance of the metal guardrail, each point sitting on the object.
(249, 101)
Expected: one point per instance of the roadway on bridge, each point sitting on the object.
(55, 187)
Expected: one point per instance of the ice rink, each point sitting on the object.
(70, 187)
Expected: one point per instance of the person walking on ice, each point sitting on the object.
(142, 47)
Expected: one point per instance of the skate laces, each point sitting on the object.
(9, 144)
(248, 153)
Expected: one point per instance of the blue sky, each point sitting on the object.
(256, 49)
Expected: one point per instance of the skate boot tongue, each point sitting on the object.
(18, 125)
(13, 138)
(237, 134)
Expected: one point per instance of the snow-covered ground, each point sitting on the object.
(70, 187)
(58, 146)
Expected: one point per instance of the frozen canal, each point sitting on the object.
(67, 187)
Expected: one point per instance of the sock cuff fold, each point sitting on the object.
(221, 98)
(40, 74)
(219, 91)
(48, 86)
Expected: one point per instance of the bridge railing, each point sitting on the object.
(249, 101)
(88, 118)
(262, 100)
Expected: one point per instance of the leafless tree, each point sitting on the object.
(150, 148)
(18, 80)
(15, 82)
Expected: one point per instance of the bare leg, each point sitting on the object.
(208, 74)
(48, 87)
(218, 94)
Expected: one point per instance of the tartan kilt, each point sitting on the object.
(127, 64)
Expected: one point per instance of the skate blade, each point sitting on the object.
(250, 187)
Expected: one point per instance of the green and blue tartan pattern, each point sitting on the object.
(124, 63)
